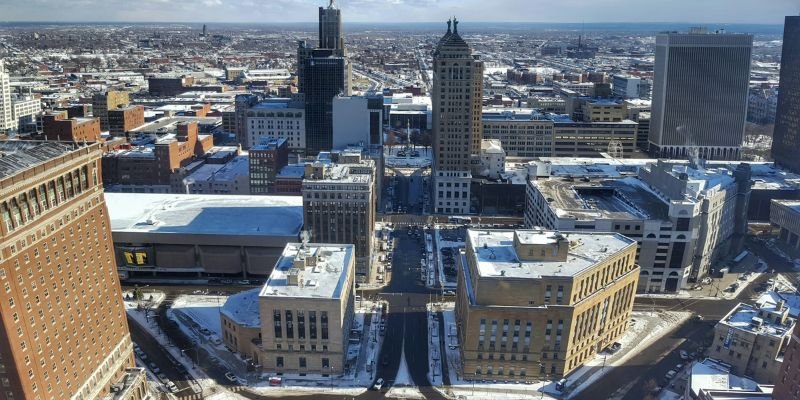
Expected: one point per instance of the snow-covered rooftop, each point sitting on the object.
(712, 375)
(751, 319)
(495, 254)
(323, 275)
(205, 214)
(242, 308)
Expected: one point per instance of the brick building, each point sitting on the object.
(266, 161)
(122, 120)
(63, 328)
(58, 127)
(149, 167)
(535, 303)
(102, 103)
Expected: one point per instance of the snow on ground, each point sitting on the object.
(392, 160)
(404, 392)
(403, 378)
(460, 387)
(195, 312)
(645, 328)
(200, 380)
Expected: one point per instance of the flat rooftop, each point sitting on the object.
(624, 198)
(205, 214)
(19, 155)
(745, 317)
(341, 173)
(793, 205)
(169, 124)
(495, 255)
(324, 278)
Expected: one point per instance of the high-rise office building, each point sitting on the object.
(339, 207)
(324, 79)
(6, 109)
(786, 137)
(330, 28)
(323, 73)
(700, 95)
(63, 329)
(457, 126)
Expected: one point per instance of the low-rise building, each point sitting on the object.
(266, 161)
(124, 119)
(788, 385)
(493, 159)
(533, 303)
(232, 177)
(201, 236)
(712, 380)
(530, 133)
(279, 119)
(58, 127)
(102, 103)
(299, 321)
(149, 163)
(784, 215)
(682, 217)
(753, 340)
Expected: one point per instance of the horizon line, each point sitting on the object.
(384, 22)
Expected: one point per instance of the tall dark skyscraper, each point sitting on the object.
(322, 74)
(330, 29)
(700, 93)
(323, 80)
(786, 137)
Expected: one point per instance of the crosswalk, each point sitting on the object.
(201, 396)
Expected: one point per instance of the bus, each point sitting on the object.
(459, 220)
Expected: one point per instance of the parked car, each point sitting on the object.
(614, 347)
(670, 374)
(684, 355)
(449, 293)
(171, 386)
(378, 384)
(231, 377)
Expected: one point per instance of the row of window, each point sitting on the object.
(286, 327)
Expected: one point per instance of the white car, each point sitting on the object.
(378, 384)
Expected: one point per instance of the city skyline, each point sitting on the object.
(570, 11)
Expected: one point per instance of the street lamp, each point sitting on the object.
(545, 380)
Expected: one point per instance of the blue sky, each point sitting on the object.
(703, 11)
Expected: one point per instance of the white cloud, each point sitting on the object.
(708, 11)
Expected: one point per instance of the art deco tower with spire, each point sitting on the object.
(457, 129)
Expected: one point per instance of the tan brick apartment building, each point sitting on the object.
(304, 312)
(63, 329)
(102, 103)
(535, 303)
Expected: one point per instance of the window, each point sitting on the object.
(312, 324)
(279, 362)
(324, 321)
(302, 362)
(301, 325)
(276, 318)
(326, 363)
(289, 327)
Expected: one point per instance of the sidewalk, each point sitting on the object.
(717, 288)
